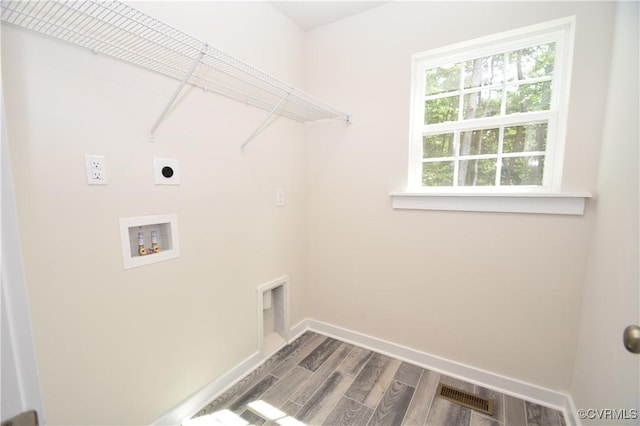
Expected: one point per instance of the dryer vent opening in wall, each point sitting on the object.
(273, 314)
(467, 399)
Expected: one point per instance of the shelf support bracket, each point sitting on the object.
(177, 92)
(264, 123)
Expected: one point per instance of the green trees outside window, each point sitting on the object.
(471, 137)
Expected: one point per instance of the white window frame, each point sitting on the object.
(561, 32)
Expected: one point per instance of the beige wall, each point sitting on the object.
(606, 375)
(495, 291)
(499, 292)
(124, 347)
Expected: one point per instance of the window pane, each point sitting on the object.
(437, 173)
(476, 142)
(522, 170)
(443, 79)
(532, 62)
(441, 110)
(531, 137)
(437, 145)
(484, 71)
(485, 103)
(477, 172)
(529, 97)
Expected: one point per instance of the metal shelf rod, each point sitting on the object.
(264, 123)
(177, 92)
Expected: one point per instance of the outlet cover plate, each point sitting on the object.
(96, 168)
(166, 171)
(280, 197)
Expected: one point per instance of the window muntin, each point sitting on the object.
(488, 116)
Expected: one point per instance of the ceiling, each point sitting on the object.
(313, 14)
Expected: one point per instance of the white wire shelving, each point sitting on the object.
(122, 32)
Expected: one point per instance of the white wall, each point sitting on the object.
(606, 375)
(499, 292)
(20, 389)
(116, 346)
(119, 346)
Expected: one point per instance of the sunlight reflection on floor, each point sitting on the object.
(229, 418)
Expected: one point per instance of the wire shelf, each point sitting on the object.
(122, 32)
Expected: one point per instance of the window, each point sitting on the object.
(490, 114)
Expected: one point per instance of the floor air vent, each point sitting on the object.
(484, 405)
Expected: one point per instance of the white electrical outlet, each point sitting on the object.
(96, 166)
(280, 197)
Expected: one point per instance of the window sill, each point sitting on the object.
(534, 202)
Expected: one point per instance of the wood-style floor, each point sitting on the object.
(318, 380)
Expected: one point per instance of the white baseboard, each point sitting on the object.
(197, 401)
(500, 383)
(497, 382)
(299, 328)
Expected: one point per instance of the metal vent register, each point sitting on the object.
(467, 399)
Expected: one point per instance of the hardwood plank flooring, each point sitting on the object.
(315, 359)
(422, 399)
(349, 412)
(498, 401)
(319, 380)
(408, 374)
(311, 385)
(514, 410)
(280, 392)
(320, 405)
(298, 354)
(354, 362)
(370, 384)
(393, 405)
(254, 376)
(538, 415)
(480, 420)
(253, 418)
(253, 394)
